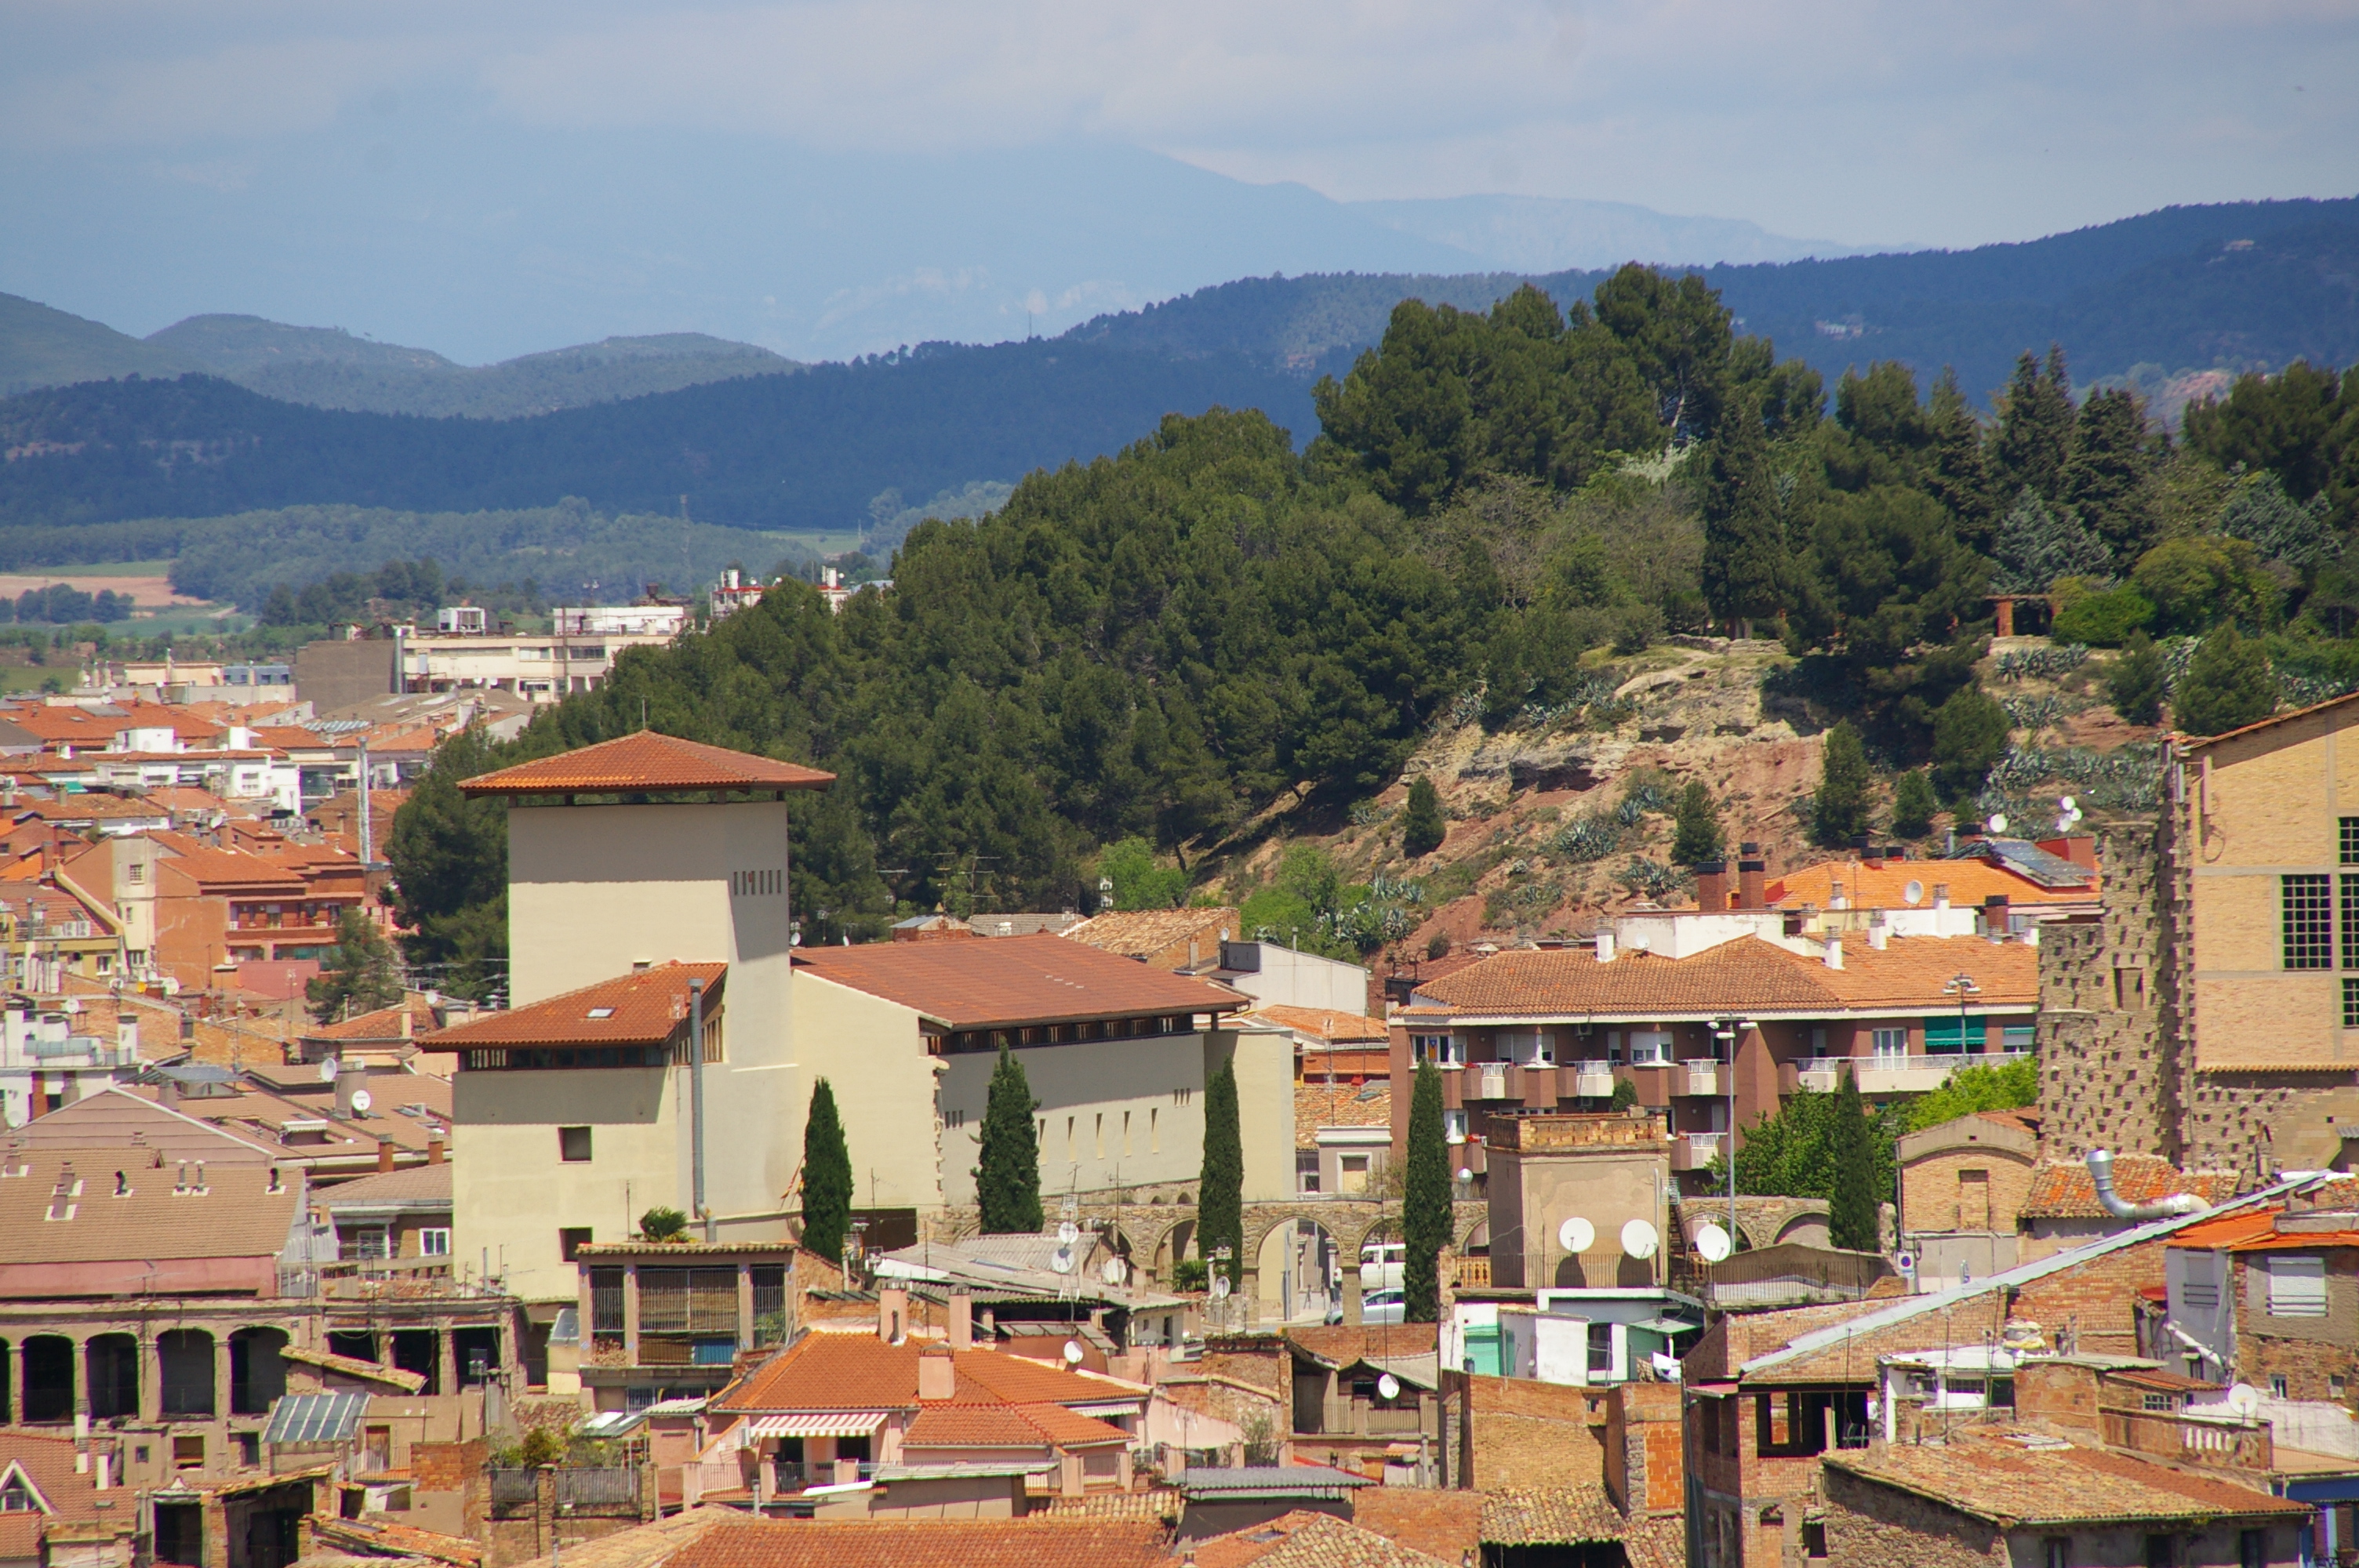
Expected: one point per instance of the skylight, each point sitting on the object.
(602, 1012)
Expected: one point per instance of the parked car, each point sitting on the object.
(1381, 1306)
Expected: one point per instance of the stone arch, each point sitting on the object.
(186, 1355)
(111, 1366)
(1171, 1244)
(257, 1375)
(47, 1397)
(1297, 1267)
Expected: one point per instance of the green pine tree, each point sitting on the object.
(1959, 476)
(827, 1177)
(1913, 805)
(1423, 828)
(1851, 1210)
(1747, 569)
(2108, 478)
(1970, 734)
(1839, 811)
(1426, 1216)
(1698, 839)
(2035, 427)
(1007, 1172)
(2138, 681)
(2227, 685)
(359, 975)
(1220, 1195)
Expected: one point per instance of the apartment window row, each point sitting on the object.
(961, 1041)
(531, 1058)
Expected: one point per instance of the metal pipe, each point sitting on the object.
(696, 1101)
(2101, 1174)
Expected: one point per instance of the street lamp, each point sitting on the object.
(1964, 984)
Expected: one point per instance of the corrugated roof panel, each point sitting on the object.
(315, 1417)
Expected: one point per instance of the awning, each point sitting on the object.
(810, 1423)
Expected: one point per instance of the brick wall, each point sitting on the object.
(2109, 1073)
(1644, 1457)
(1937, 1197)
(1528, 1434)
(2095, 1304)
(1872, 1526)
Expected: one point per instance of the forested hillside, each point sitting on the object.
(803, 451)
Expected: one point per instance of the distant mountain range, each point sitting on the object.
(2194, 289)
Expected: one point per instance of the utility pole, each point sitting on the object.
(696, 1098)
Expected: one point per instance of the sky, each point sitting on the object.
(1851, 122)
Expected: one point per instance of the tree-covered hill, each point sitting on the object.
(803, 451)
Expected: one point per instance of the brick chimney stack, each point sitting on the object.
(1751, 876)
(1711, 886)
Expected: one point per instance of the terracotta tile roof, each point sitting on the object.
(1745, 974)
(228, 869)
(1342, 1345)
(2014, 1484)
(832, 1371)
(383, 1538)
(2060, 1189)
(20, 1536)
(1323, 1023)
(2199, 743)
(1562, 1516)
(930, 1543)
(1317, 1106)
(1013, 980)
(1143, 933)
(48, 1464)
(647, 761)
(385, 1023)
(1885, 886)
(1306, 1540)
(948, 1424)
(1448, 1525)
(1161, 1503)
(2298, 1240)
(640, 1009)
(236, 1217)
(424, 1186)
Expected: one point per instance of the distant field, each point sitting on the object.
(149, 589)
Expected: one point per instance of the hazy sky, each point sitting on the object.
(1919, 121)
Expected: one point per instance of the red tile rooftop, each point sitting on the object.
(646, 761)
(1014, 979)
(640, 1009)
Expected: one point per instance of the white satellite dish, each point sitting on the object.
(1638, 1240)
(1389, 1387)
(361, 1102)
(329, 1068)
(1073, 1353)
(1913, 893)
(1112, 1273)
(1576, 1235)
(2066, 806)
(2244, 1400)
(1713, 1243)
(1998, 823)
(1069, 1233)
(1465, 1173)
(1220, 1287)
(1061, 1260)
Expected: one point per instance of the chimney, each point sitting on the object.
(892, 1314)
(961, 1310)
(937, 1373)
(434, 1149)
(1711, 886)
(1835, 899)
(1879, 933)
(1604, 945)
(405, 1020)
(1941, 895)
(1994, 916)
(1752, 873)
(1859, 846)
(384, 1154)
(1834, 952)
(351, 1078)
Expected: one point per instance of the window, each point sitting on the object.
(570, 1241)
(1650, 1047)
(188, 1452)
(2350, 886)
(1125, 1135)
(2350, 1003)
(605, 1301)
(2351, 840)
(1948, 1036)
(1072, 1148)
(2296, 1287)
(2279, 1389)
(2200, 1284)
(435, 1243)
(365, 1243)
(2161, 1552)
(2253, 1545)
(1154, 1131)
(1306, 1169)
(1814, 1540)
(2160, 1403)
(1453, 1126)
(2057, 1552)
(137, 873)
(1442, 1050)
(574, 1144)
(1891, 1043)
(1352, 1174)
(15, 1497)
(2305, 904)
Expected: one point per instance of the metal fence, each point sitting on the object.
(515, 1492)
(598, 1489)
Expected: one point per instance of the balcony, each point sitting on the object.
(1704, 1078)
(1594, 1080)
(1917, 1075)
(1820, 1075)
(1695, 1151)
(1493, 1080)
(2223, 1442)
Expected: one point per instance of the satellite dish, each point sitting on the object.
(329, 1068)
(1073, 1353)
(1061, 1260)
(2068, 807)
(2244, 1400)
(1220, 1287)
(1069, 1233)
(1389, 1387)
(1713, 1243)
(1112, 1273)
(361, 1102)
(1576, 1235)
(1998, 823)
(1913, 893)
(1638, 1240)
(1465, 1173)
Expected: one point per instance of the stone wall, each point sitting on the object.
(1530, 1435)
(1872, 1526)
(2109, 1068)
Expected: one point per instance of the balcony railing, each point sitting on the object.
(1703, 1078)
(1694, 1151)
(2183, 1440)
(1491, 1080)
(1894, 1074)
(1592, 1080)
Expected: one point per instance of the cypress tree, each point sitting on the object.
(1913, 805)
(2106, 478)
(1959, 475)
(2035, 426)
(1746, 568)
(1699, 837)
(1851, 1210)
(827, 1176)
(1839, 811)
(2227, 685)
(1423, 827)
(1008, 1175)
(1425, 1209)
(1220, 1194)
